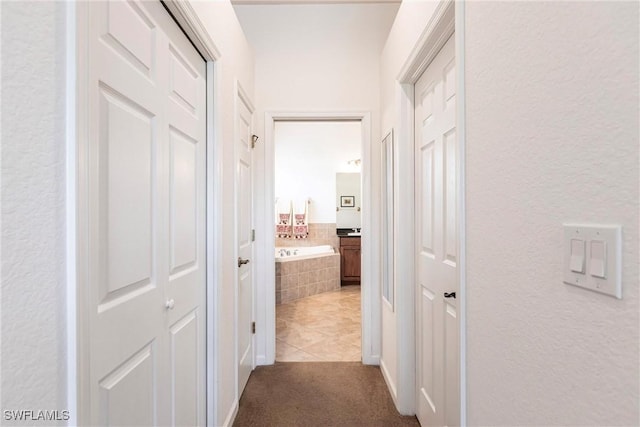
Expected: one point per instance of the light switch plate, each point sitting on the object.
(602, 257)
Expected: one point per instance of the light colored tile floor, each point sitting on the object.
(322, 327)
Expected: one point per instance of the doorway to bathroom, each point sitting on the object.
(318, 202)
(317, 313)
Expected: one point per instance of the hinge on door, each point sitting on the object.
(253, 327)
(254, 139)
(253, 235)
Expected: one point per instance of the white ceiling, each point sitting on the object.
(262, 2)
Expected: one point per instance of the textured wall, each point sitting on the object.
(235, 64)
(33, 184)
(397, 361)
(552, 137)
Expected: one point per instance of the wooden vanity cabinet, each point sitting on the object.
(350, 260)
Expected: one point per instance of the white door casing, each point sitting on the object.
(437, 194)
(244, 219)
(144, 204)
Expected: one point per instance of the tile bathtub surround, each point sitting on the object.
(319, 234)
(305, 277)
(323, 327)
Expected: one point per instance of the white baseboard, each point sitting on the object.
(371, 360)
(231, 416)
(261, 360)
(389, 381)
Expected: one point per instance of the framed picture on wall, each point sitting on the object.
(347, 201)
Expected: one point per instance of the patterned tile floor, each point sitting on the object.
(322, 327)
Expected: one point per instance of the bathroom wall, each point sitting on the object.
(307, 157)
(319, 234)
(349, 215)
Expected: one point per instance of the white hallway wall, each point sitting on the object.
(307, 157)
(316, 58)
(236, 64)
(552, 137)
(33, 199)
(33, 298)
(397, 361)
(552, 98)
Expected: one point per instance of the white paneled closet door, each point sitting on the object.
(145, 210)
(437, 195)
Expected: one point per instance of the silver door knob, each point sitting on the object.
(241, 262)
(170, 304)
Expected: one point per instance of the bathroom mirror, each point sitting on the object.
(348, 200)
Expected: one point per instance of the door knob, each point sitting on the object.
(242, 261)
(170, 304)
(450, 295)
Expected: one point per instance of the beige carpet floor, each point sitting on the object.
(318, 394)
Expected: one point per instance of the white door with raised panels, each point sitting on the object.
(437, 242)
(144, 204)
(244, 234)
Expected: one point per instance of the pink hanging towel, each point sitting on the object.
(284, 227)
(301, 225)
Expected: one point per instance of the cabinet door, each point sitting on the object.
(351, 262)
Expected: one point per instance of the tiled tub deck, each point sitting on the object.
(301, 278)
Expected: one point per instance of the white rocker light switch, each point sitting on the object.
(598, 261)
(577, 256)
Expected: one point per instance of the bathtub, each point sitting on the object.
(306, 271)
(294, 253)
